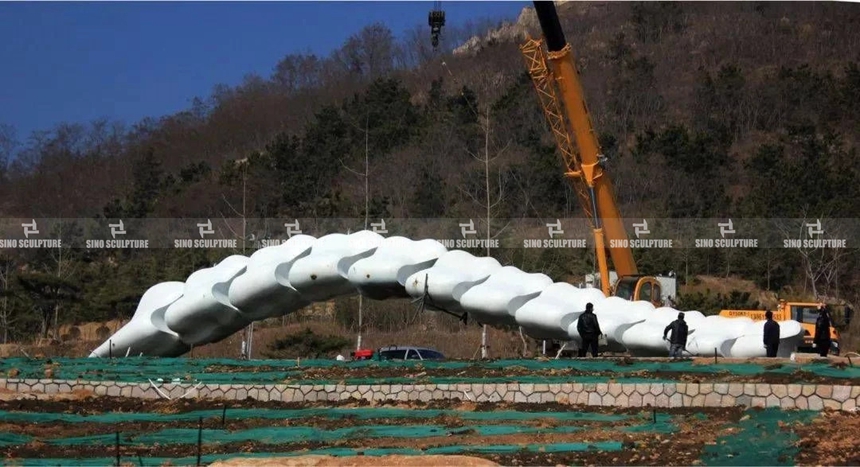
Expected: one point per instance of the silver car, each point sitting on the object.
(408, 353)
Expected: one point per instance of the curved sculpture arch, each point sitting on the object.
(213, 303)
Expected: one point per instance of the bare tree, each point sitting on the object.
(368, 54)
(416, 49)
(378, 47)
(53, 284)
(820, 261)
(242, 166)
(366, 175)
(8, 143)
(5, 269)
(490, 205)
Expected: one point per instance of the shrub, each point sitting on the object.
(306, 344)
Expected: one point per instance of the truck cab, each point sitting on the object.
(646, 288)
(655, 289)
(805, 313)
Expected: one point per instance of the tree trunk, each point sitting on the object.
(46, 318)
(4, 312)
(366, 217)
(56, 321)
(484, 353)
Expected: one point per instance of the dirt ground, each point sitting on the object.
(330, 461)
(696, 428)
(478, 371)
(831, 439)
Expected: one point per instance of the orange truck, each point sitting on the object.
(806, 313)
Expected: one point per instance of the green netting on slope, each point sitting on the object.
(759, 440)
(280, 435)
(11, 439)
(198, 370)
(210, 458)
(664, 423)
(684, 366)
(248, 378)
(513, 448)
(284, 435)
(360, 413)
(141, 370)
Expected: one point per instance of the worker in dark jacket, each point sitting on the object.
(822, 331)
(589, 330)
(679, 336)
(771, 334)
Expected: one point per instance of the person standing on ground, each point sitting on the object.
(822, 331)
(771, 335)
(679, 336)
(589, 330)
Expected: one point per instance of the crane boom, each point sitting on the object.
(591, 171)
(567, 114)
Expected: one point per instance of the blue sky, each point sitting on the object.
(75, 62)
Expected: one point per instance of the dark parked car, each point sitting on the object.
(408, 353)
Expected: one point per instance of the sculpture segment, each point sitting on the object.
(216, 302)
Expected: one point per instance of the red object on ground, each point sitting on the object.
(362, 354)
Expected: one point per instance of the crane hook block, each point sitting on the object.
(436, 19)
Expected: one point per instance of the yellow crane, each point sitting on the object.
(556, 80)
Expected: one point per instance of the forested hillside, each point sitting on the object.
(704, 109)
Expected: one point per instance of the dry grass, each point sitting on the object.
(460, 342)
(725, 285)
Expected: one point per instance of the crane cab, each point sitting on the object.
(646, 288)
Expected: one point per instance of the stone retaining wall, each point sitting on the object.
(786, 396)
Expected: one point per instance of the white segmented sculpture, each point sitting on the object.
(147, 332)
(204, 314)
(322, 274)
(264, 290)
(496, 300)
(453, 274)
(384, 274)
(216, 302)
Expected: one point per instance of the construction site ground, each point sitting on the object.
(85, 430)
(82, 429)
(806, 370)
